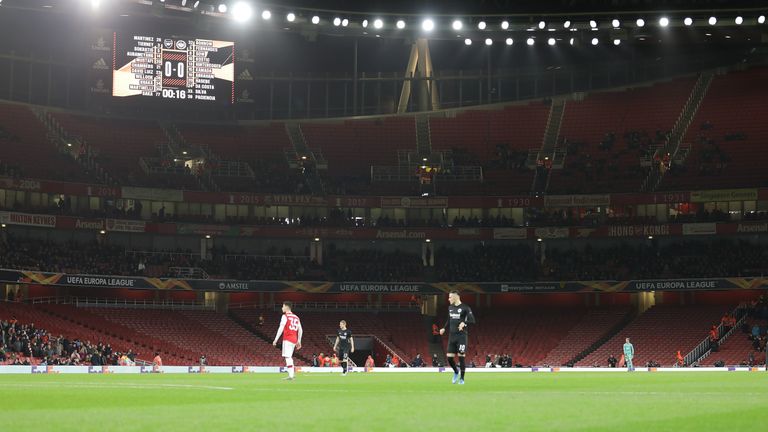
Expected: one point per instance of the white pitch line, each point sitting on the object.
(116, 386)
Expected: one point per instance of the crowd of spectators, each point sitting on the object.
(483, 263)
(20, 344)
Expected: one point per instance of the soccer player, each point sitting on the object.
(629, 352)
(344, 345)
(459, 317)
(290, 329)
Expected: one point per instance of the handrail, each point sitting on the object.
(122, 303)
(703, 349)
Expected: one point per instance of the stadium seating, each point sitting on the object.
(352, 146)
(222, 341)
(658, 334)
(25, 145)
(592, 326)
(524, 334)
(520, 127)
(401, 331)
(640, 109)
(736, 349)
(118, 143)
(734, 104)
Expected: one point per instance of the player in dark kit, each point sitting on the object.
(344, 345)
(459, 317)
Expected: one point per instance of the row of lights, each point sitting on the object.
(242, 11)
(532, 41)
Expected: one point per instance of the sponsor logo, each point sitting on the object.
(28, 219)
(752, 228)
(400, 234)
(100, 281)
(362, 287)
(245, 75)
(89, 224)
(675, 285)
(100, 45)
(100, 65)
(233, 286)
(100, 87)
(245, 96)
(638, 230)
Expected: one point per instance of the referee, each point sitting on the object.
(459, 317)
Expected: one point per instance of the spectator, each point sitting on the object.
(679, 361)
(369, 362)
(418, 361)
(612, 361)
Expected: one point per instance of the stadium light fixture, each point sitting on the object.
(616, 23)
(530, 41)
(344, 22)
(317, 239)
(567, 24)
(688, 21)
(102, 232)
(94, 4)
(197, 3)
(571, 41)
(509, 41)
(488, 41)
(640, 22)
(365, 23)
(337, 21)
(223, 8)
(504, 25)
(400, 24)
(291, 17)
(539, 239)
(208, 236)
(481, 25)
(739, 20)
(617, 42)
(457, 25)
(315, 20)
(551, 41)
(595, 41)
(378, 23)
(2, 225)
(593, 24)
(663, 21)
(761, 19)
(241, 11)
(467, 41)
(266, 15)
(428, 25)
(542, 25)
(712, 20)
(428, 241)
(650, 237)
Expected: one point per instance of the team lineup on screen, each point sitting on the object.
(173, 68)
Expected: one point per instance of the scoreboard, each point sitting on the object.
(173, 68)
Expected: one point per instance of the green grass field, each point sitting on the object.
(386, 402)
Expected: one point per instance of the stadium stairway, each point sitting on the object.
(254, 330)
(658, 333)
(618, 327)
(596, 326)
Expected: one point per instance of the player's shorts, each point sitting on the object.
(343, 354)
(288, 348)
(457, 345)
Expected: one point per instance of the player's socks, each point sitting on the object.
(462, 367)
(452, 362)
(344, 367)
(289, 366)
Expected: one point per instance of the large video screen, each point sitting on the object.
(173, 68)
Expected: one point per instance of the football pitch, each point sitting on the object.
(386, 402)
